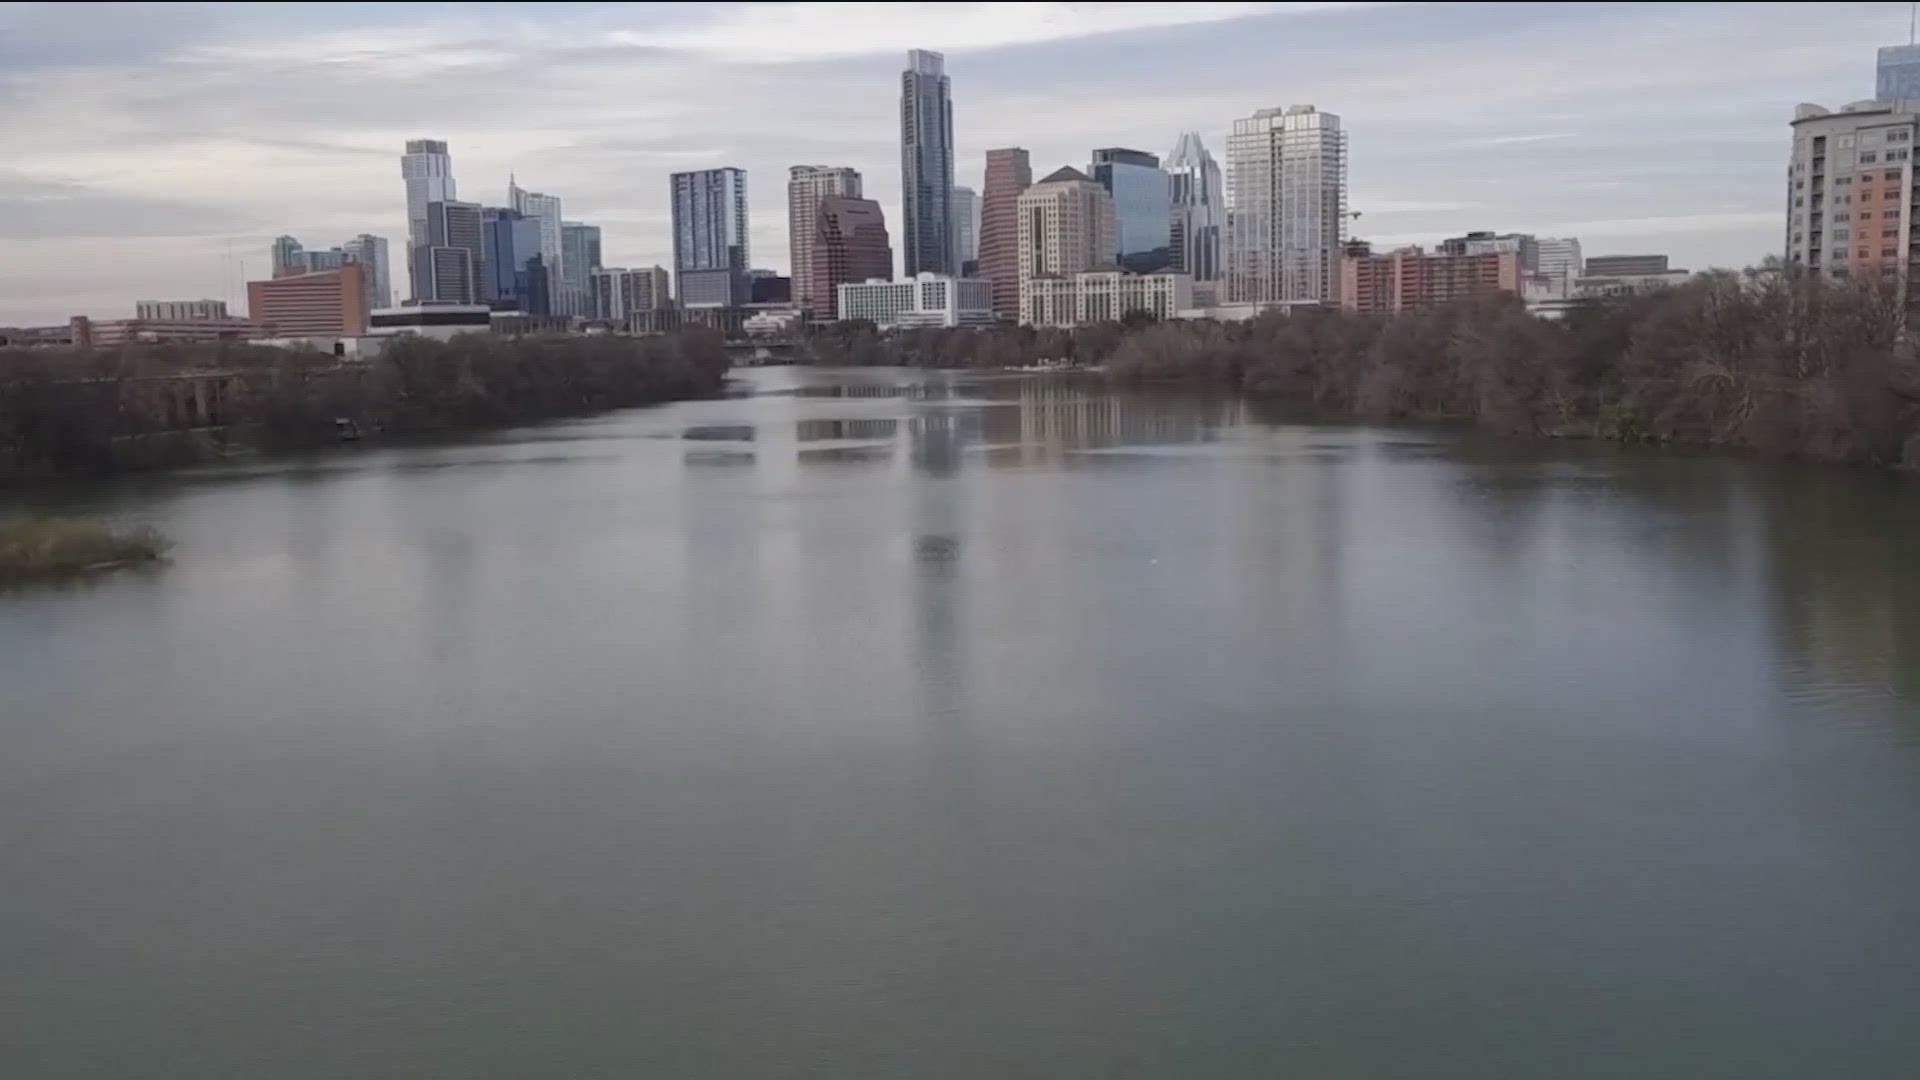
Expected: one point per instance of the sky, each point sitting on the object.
(153, 151)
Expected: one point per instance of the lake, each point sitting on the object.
(899, 724)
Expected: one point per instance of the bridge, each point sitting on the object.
(762, 352)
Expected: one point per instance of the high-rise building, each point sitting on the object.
(312, 303)
(926, 166)
(1198, 211)
(1008, 174)
(966, 230)
(544, 209)
(450, 264)
(619, 293)
(1411, 279)
(1142, 207)
(1287, 195)
(849, 245)
(579, 255)
(427, 169)
(1557, 258)
(1897, 75)
(1066, 228)
(710, 251)
(806, 186)
(288, 256)
(370, 251)
(180, 310)
(515, 276)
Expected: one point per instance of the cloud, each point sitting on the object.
(35, 210)
(1512, 140)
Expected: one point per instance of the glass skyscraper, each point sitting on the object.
(1141, 209)
(1199, 208)
(1897, 77)
(710, 254)
(926, 166)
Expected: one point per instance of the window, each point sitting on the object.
(1893, 174)
(1843, 181)
(1868, 157)
(1842, 234)
(1799, 201)
(1888, 253)
(1887, 234)
(1839, 253)
(1889, 213)
(1899, 136)
(1896, 155)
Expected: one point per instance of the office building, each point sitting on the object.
(1287, 185)
(806, 186)
(288, 256)
(450, 265)
(1636, 265)
(1066, 227)
(580, 256)
(1009, 173)
(438, 321)
(710, 251)
(86, 333)
(313, 303)
(1197, 210)
(620, 294)
(1103, 296)
(370, 251)
(926, 166)
(1557, 259)
(177, 310)
(849, 245)
(768, 287)
(427, 170)
(924, 300)
(1411, 279)
(1897, 75)
(514, 271)
(1142, 206)
(966, 230)
(546, 210)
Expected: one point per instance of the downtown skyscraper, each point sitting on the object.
(926, 166)
(1287, 192)
(1199, 205)
(1009, 172)
(427, 170)
(807, 185)
(710, 252)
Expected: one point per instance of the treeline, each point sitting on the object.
(79, 412)
(1781, 363)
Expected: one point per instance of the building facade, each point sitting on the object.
(1411, 279)
(315, 303)
(1287, 201)
(547, 210)
(1557, 259)
(1142, 206)
(1849, 193)
(180, 309)
(514, 271)
(620, 294)
(806, 186)
(370, 251)
(925, 300)
(1897, 74)
(1634, 265)
(580, 256)
(450, 266)
(288, 256)
(1009, 173)
(710, 250)
(1066, 227)
(86, 333)
(926, 166)
(849, 245)
(1197, 212)
(427, 170)
(1103, 296)
(966, 230)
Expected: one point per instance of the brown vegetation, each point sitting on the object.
(42, 546)
(84, 412)
(1767, 360)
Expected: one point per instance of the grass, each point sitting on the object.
(41, 546)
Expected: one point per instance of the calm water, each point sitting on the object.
(889, 725)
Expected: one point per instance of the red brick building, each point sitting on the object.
(315, 303)
(1009, 173)
(1411, 279)
(849, 245)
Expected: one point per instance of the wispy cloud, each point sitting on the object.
(1512, 140)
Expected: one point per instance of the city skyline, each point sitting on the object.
(173, 181)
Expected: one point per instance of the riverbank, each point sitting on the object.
(39, 547)
(1785, 365)
(76, 413)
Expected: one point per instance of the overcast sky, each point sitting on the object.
(153, 151)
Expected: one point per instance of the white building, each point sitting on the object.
(776, 321)
(441, 321)
(923, 300)
(806, 186)
(1557, 258)
(1849, 191)
(427, 169)
(1103, 296)
(619, 294)
(1287, 199)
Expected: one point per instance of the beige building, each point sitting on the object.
(1066, 227)
(806, 186)
(1104, 296)
(180, 310)
(1849, 213)
(1287, 207)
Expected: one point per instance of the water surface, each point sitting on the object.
(884, 724)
